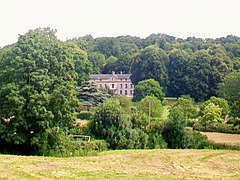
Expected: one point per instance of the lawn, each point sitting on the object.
(126, 164)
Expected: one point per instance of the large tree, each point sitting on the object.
(150, 63)
(177, 72)
(36, 92)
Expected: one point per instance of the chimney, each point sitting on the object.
(120, 72)
(113, 72)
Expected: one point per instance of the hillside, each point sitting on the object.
(130, 164)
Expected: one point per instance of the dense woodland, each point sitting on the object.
(44, 88)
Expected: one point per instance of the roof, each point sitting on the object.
(108, 76)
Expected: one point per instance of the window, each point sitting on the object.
(112, 86)
(125, 92)
(126, 86)
(105, 85)
(121, 86)
(100, 85)
(125, 79)
(131, 92)
(120, 91)
(132, 85)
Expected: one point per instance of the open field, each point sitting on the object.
(126, 164)
(233, 139)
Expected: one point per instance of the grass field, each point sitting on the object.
(233, 139)
(127, 164)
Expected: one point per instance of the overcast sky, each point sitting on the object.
(75, 18)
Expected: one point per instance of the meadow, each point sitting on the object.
(126, 164)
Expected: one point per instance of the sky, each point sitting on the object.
(111, 18)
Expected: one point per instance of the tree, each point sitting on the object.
(37, 90)
(175, 132)
(220, 102)
(150, 63)
(83, 66)
(110, 65)
(198, 73)
(148, 87)
(152, 106)
(185, 106)
(177, 72)
(229, 88)
(211, 114)
(112, 124)
(98, 61)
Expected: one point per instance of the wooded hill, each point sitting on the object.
(191, 66)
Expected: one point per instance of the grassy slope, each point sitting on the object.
(130, 164)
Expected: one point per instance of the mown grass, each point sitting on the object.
(126, 164)
(232, 139)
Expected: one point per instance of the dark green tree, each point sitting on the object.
(150, 63)
(229, 88)
(177, 73)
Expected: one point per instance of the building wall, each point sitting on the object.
(115, 84)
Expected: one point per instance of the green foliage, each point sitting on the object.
(220, 102)
(150, 63)
(148, 87)
(229, 88)
(111, 123)
(211, 114)
(70, 148)
(98, 61)
(175, 132)
(37, 90)
(85, 115)
(185, 108)
(177, 72)
(123, 130)
(152, 106)
(125, 103)
(90, 95)
(83, 67)
(217, 127)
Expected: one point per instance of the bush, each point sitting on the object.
(68, 148)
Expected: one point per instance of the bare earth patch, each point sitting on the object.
(130, 164)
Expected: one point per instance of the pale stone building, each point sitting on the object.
(117, 83)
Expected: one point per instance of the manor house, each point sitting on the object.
(117, 83)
